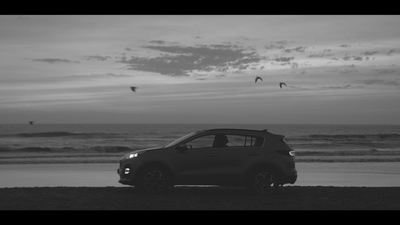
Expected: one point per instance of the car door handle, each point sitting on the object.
(211, 154)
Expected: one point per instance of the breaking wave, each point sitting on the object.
(350, 141)
(388, 136)
(61, 134)
(121, 138)
(98, 149)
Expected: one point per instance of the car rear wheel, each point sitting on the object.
(263, 182)
(154, 180)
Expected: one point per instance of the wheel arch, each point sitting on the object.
(159, 164)
(267, 166)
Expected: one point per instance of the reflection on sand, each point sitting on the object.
(371, 174)
(368, 174)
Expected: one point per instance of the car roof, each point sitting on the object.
(238, 130)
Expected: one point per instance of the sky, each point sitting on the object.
(338, 69)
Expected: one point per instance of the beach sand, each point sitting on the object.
(198, 198)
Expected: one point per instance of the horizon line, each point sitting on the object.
(181, 123)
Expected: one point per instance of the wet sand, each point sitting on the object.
(90, 182)
(363, 174)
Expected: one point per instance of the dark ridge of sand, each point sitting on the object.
(200, 198)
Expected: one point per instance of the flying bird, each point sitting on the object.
(31, 122)
(280, 84)
(133, 89)
(257, 78)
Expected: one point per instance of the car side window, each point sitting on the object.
(205, 141)
(256, 141)
(245, 141)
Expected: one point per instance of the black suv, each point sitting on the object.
(259, 160)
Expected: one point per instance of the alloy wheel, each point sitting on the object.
(154, 181)
(264, 182)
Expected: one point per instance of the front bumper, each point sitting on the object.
(289, 179)
(125, 172)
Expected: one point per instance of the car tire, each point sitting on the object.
(263, 182)
(154, 180)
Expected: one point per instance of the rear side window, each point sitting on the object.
(244, 141)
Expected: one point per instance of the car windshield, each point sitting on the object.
(181, 138)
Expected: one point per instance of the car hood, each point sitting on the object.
(146, 149)
(141, 151)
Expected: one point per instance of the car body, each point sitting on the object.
(259, 160)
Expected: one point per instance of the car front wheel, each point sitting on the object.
(154, 180)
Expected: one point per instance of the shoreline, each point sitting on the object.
(30, 157)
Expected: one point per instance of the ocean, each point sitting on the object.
(126, 137)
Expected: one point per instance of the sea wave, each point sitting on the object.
(98, 149)
(385, 136)
(61, 134)
(345, 141)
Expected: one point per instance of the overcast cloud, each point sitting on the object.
(190, 65)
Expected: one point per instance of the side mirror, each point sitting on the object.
(182, 148)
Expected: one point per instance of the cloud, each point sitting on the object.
(378, 81)
(105, 75)
(298, 49)
(158, 42)
(54, 60)
(178, 60)
(353, 58)
(297, 87)
(161, 42)
(283, 59)
(71, 78)
(348, 69)
(97, 57)
(370, 53)
(386, 71)
(283, 42)
(319, 55)
(338, 87)
(294, 65)
(274, 47)
(393, 51)
(277, 45)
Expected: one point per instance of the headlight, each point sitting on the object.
(133, 155)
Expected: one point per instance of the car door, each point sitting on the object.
(242, 152)
(199, 163)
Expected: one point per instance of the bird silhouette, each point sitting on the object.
(280, 84)
(133, 89)
(257, 78)
(31, 122)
